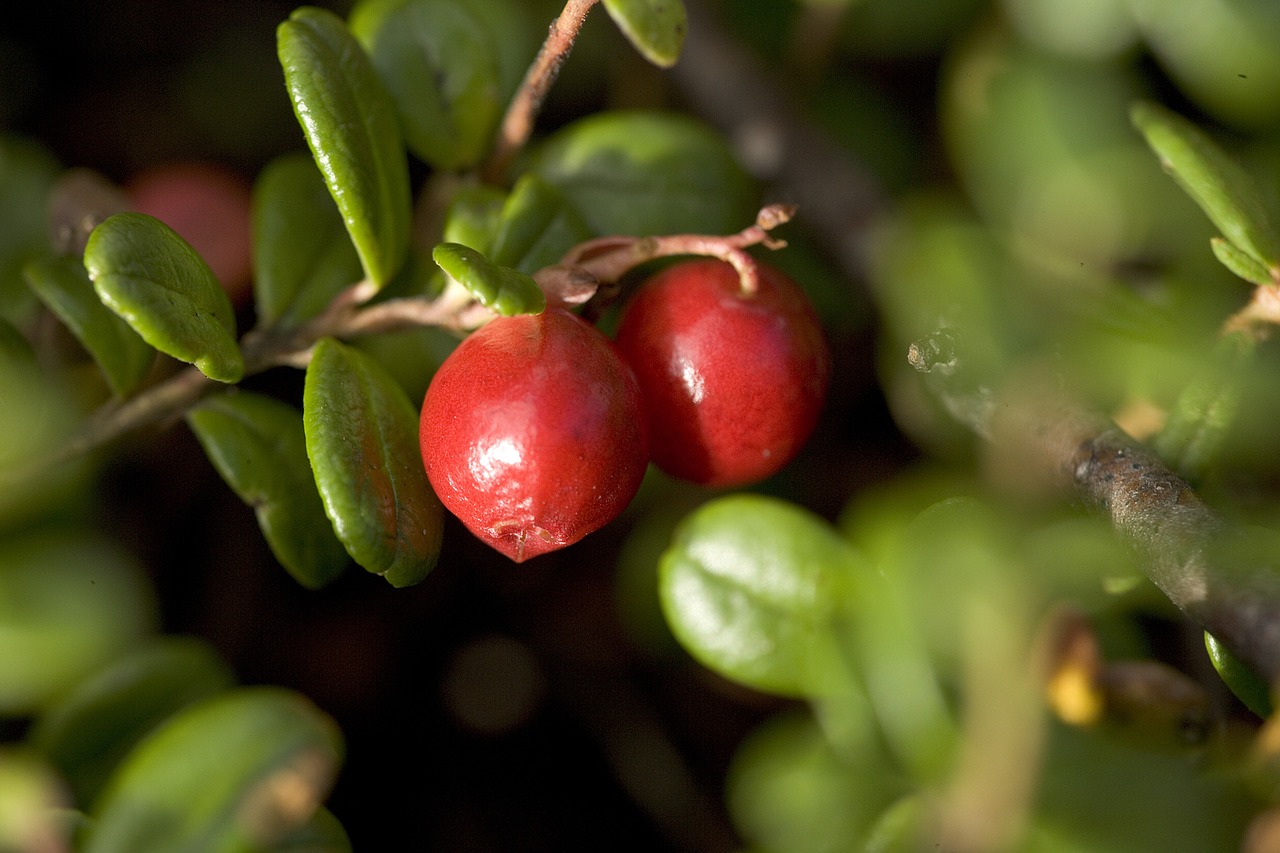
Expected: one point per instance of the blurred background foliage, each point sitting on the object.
(548, 707)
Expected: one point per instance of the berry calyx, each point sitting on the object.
(533, 433)
(733, 382)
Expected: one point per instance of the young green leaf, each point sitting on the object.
(240, 771)
(655, 27)
(1241, 263)
(642, 173)
(259, 447)
(502, 289)
(362, 439)
(537, 226)
(91, 728)
(350, 123)
(1216, 182)
(301, 255)
(440, 60)
(144, 272)
(63, 285)
(1249, 687)
(751, 587)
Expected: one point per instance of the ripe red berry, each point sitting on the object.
(733, 382)
(533, 433)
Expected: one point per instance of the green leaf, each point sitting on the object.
(90, 729)
(143, 271)
(362, 438)
(442, 62)
(499, 288)
(1249, 687)
(473, 217)
(750, 587)
(1216, 182)
(259, 447)
(537, 226)
(322, 834)
(1240, 263)
(63, 285)
(27, 177)
(644, 173)
(655, 27)
(350, 123)
(301, 255)
(240, 771)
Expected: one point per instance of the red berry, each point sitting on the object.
(733, 382)
(533, 433)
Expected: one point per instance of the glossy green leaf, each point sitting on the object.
(350, 123)
(91, 728)
(537, 226)
(656, 27)
(362, 439)
(443, 63)
(502, 289)
(1216, 182)
(302, 258)
(750, 587)
(1241, 263)
(240, 771)
(1249, 687)
(645, 173)
(143, 271)
(63, 285)
(69, 603)
(259, 447)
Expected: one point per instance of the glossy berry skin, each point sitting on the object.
(533, 434)
(733, 383)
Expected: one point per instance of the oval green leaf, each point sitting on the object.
(151, 277)
(1216, 182)
(1240, 263)
(89, 730)
(751, 587)
(259, 447)
(655, 27)
(441, 62)
(537, 226)
(1249, 687)
(240, 771)
(644, 173)
(302, 258)
(350, 124)
(63, 285)
(362, 439)
(501, 289)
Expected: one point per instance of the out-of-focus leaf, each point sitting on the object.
(644, 173)
(1215, 181)
(63, 285)
(751, 587)
(656, 27)
(1249, 687)
(362, 439)
(322, 834)
(259, 447)
(350, 123)
(537, 226)
(473, 217)
(443, 63)
(69, 603)
(32, 804)
(302, 256)
(240, 771)
(87, 731)
(502, 289)
(27, 175)
(147, 274)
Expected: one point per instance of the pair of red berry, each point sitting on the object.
(537, 429)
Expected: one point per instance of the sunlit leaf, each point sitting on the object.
(362, 439)
(1249, 687)
(502, 289)
(240, 771)
(656, 27)
(350, 124)
(259, 447)
(144, 272)
(302, 257)
(63, 285)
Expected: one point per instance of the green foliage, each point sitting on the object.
(1244, 682)
(362, 439)
(655, 27)
(536, 227)
(502, 289)
(27, 174)
(350, 124)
